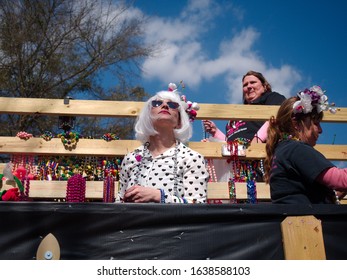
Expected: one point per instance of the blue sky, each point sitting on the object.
(211, 44)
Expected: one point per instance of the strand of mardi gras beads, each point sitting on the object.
(76, 189)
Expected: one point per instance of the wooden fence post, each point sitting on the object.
(303, 238)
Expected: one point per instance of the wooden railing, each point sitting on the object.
(99, 147)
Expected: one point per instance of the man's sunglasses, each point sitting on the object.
(170, 104)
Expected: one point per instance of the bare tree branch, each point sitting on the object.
(55, 48)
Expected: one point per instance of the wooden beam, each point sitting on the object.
(303, 238)
(331, 152)
(92, 147)
(56, 107)
(56, 190)
(102, 108)
(100, 147)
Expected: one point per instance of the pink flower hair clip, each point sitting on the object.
(190, 107)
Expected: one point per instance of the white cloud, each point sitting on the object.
(183, 53)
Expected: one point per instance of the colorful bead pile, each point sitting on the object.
(61, 168)
(65, 168)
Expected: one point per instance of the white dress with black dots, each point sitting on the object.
(158, 172)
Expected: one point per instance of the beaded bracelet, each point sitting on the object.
(109, 137)
(162, 196)
(182, 199)
(69, 137)
(47, 135)
(24, 135)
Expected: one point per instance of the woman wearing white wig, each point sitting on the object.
(163, 169)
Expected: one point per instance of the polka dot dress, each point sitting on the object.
(158, 172)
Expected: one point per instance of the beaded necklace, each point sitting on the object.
(286, 136)
(242, 171)
(145, 153)
(337, 199)
(76, 189)
(211, 170)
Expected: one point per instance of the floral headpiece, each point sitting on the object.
(190, 107)
(313, 97)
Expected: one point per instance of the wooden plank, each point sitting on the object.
(100, 147)
(57, 189)
(56, 107)
(220, 190)
(92, 147)
(94, 190)
(111, 108)
(303, 238)
(331, 152)
(255, 112)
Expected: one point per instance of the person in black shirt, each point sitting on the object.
(298, 173)
(256, 91)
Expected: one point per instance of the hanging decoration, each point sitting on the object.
(61, 168)
(108, 189)
(76, 189)
(69, 138)
(213, 178)
(242, 171)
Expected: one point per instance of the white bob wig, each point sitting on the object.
(144, 124)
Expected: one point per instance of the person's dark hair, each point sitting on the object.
(284, 125)
(260, 76)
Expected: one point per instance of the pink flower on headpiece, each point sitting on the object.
(193, 113)
(172, 87)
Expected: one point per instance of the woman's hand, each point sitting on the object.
(139, 194)
(341, 194)
(210, 127)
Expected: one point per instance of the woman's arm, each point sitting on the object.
(335, 178)
(211, 128)
(261, 135)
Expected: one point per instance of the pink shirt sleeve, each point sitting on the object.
(334, 178)
(262, 132)
(219, 135)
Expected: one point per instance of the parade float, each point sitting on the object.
(67, 185)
